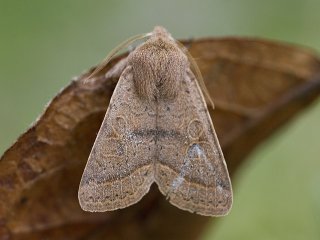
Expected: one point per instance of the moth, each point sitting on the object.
(157, 129)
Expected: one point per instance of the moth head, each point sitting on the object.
(158, 67)
(161, 32)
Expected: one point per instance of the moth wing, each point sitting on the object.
(119, 170)
(191, 170)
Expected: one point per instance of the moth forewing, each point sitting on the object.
(191, 170)
(119, 170)
(157, 129)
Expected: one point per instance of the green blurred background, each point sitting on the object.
(43, 44)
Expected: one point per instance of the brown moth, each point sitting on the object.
(157, 129)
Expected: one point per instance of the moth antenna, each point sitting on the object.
(198, 75)
(114, 51)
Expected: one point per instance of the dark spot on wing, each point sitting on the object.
(23, 200)
(158, 133)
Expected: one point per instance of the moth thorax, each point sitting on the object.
(158, 68)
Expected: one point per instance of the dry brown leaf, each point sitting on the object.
(257, 86)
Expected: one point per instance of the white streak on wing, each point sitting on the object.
(201, 154)
(179, 180)
(186, 166)
(219, 188)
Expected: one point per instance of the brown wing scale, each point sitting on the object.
(119, 170)
(191, 169)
